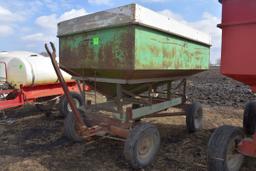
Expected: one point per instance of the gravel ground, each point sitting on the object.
(36, 143)
(212, 88)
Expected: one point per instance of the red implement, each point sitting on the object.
(247, 146)
(30, 94)
(238, 57)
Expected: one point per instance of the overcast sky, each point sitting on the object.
(28, 24)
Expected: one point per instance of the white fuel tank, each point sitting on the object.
(27, 69)
(32, 71)
(5, 57)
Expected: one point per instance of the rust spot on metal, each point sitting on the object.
(120, 132)
(154, 50)
(129, 114)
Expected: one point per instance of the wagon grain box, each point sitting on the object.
(139, 60)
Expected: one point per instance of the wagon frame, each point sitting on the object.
(142, 140)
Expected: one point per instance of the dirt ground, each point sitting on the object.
(36, 142)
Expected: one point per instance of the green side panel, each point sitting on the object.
(160, 51)
(111, 48)
(131, 52)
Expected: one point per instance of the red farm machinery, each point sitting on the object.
(229, 145)
(45, 95)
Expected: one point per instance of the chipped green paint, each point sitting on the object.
(147, 110)
(76, 42)
(132, 52)
(98, 49)
(157, 50)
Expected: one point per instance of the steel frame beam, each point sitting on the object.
(151, 105)
(124, 81)
(144, 111)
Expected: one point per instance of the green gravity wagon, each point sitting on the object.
(139, 60)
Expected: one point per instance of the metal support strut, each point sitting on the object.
(81, 125)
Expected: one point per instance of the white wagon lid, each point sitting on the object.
(131, 14)
(17, 54)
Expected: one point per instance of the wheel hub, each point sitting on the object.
(145, 145)
(76, 104)
(233, 156)
(198, 122)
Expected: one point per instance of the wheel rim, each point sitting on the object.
(198, 123)
(198, 119)
(145, 146)
(77, 104)
(233, 158)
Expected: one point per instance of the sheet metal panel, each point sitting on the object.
(238, 55)
(132, 53)
(157, 50)
(131, 14)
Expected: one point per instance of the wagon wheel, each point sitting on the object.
(65, 109)
(249, 120)
(194, 117)
(142, 145)
(70, 128)
(222, 149)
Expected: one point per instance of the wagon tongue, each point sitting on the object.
(82, 128)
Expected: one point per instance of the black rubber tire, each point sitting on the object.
(133, 142)
(64, 103)
(249, 119)
(222, 141)
(70, 128)
(194, 117)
